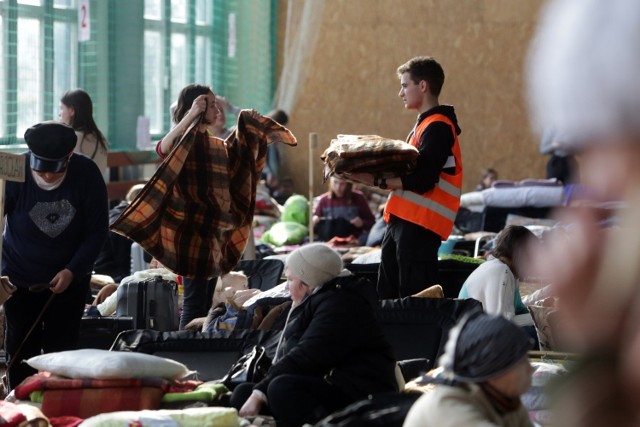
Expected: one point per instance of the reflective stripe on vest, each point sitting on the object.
(437, 208)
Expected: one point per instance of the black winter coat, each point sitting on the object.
(334, 334)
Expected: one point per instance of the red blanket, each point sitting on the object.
(86, 397)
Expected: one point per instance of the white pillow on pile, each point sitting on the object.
(105, 364)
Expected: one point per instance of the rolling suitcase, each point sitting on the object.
(152, 303)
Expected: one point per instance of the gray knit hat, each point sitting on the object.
(483, 346)
(315, 264)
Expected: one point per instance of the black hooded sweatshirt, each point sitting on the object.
(435, 147)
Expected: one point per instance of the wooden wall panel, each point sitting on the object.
(352, 86)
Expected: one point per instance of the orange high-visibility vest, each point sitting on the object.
(436, 209)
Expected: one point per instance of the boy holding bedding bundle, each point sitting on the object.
(422, 205)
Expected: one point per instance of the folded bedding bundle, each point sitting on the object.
(369, 154)
(85, 397)
(87, 382)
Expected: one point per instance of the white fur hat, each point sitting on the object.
(315, 264)
(583, 69)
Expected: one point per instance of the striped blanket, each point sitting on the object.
(195, 213)
(369, 154)
(85, 397)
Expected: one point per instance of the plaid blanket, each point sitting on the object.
(369, 154)
(195, 213)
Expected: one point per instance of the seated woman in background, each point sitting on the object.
(496, 282)
(342, 212)
(486, 370)
(332, 351)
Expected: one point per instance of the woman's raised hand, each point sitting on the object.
(198, 106)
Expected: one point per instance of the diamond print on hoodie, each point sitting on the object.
(52, 218)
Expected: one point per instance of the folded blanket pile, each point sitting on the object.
(86, 397)
(369, 154)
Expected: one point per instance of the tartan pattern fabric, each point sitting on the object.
(195, 213)
(369, 154)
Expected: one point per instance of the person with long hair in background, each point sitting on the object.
(76, 110)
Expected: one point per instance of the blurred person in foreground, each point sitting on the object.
(583, 82)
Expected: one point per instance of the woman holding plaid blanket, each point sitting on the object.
(194, 100)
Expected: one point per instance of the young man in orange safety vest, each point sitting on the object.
(422, 206)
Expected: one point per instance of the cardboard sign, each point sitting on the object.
(12, 167)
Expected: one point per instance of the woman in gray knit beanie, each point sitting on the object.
(332, 350)
(309, 267)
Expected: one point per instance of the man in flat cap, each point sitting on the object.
(57, 221)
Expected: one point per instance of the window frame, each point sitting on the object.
(47, 15)
(191, 29)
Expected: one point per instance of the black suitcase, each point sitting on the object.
(101, 332)
(152, 303)
(209, 353)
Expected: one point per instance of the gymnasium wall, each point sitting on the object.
(352, 86)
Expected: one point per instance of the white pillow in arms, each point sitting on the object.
(105, 364)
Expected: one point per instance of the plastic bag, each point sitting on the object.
(285, 233)
(296, 209)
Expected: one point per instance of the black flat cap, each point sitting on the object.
(50, 144)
